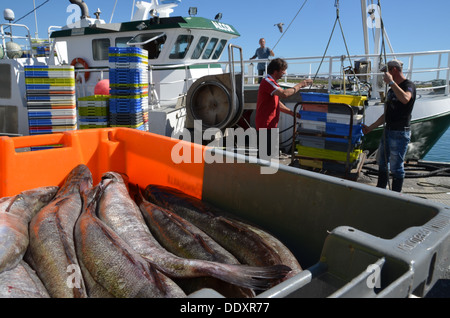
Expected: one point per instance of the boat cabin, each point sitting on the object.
(180, 49)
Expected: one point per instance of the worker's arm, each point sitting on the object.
(287, 110)
(401, 95)
(378, 122)
(284, 93)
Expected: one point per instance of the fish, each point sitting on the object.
(249, 244)
(112, 263)
(52, 237)
(16, 213)
(21, 282)
(121, 213)
(183, 239)
(286, 256)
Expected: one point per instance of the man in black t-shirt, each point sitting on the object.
(394, 143)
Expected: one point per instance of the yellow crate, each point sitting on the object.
(352, 100)
(95, 98)
(70, 81)
(318, 153)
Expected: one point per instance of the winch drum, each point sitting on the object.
(211, 102)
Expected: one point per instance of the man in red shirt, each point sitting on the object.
(269, 106)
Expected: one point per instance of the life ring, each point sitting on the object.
(80, 63)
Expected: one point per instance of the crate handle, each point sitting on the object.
(38, 140)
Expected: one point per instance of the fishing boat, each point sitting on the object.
(397, 246)
(180, 51)
(189, 81)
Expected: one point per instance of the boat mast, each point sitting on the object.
(364, 25)
(36, 34)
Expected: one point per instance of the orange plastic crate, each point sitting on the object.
(146, 158)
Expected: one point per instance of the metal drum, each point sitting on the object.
(211, 99)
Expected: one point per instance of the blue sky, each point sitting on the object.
(413, 25)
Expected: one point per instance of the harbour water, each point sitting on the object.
(441, 150)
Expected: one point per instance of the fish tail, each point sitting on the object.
(253, 277)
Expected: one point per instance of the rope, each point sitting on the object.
(326, 49)
(34, 10)
(433, 171)
(429, 184)
(383, 52)
(345, 43)
(289, 24)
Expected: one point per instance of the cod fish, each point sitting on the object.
(183, 239)
(51, 238)
(248, 243)
(16, 213)
(111, 263)
(21, 282)
(120, 212)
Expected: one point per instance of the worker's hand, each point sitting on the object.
(388, 77)
(366, 129)
(307, 82)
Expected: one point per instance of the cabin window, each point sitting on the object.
(100, 49)
(155, 47)
(219, 49)
(200, 47)
(152, 42)
(122, 42)
(181, 46)
(210, 48)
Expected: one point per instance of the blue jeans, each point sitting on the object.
(396, 147)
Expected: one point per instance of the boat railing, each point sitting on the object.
(50, 30)
(430, 70)
(13, 38)
(188, 79)
(155, 101)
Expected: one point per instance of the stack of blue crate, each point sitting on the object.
(51, 100)
(128, 78)
(324, 132)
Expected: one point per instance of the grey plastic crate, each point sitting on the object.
(344, 234)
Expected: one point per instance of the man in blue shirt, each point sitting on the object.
(262, 52)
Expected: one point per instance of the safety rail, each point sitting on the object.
(84, 88)
(12, 37)
(432, 74)
(431, 77)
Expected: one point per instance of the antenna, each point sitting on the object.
(112, 14)
(132, 10)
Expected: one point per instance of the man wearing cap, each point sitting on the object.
(397, 116)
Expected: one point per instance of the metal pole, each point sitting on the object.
(364, 24)
(448, 75)
(36, 35)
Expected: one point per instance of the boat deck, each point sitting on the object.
(424, 179)
(427, 180)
